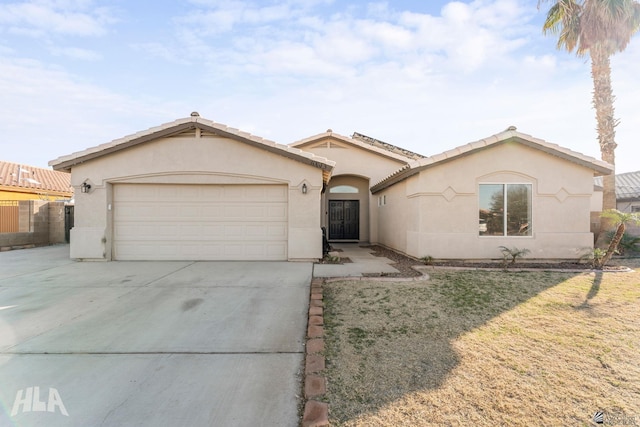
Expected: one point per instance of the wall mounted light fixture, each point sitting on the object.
(304, 188)
(85, 187)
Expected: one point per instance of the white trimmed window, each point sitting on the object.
(504, 210)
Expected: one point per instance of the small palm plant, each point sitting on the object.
(513, 253)
(619, 219)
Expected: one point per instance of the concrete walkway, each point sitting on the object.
(150, 343)
(363, 262)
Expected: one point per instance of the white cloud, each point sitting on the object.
(286, 70)
(38, 18)
(76, 53)
(291, 38)
(47, 112)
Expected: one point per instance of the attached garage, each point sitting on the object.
(196, 190)
(203, 222)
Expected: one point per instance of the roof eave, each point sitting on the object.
(599, 167)
(65, 163)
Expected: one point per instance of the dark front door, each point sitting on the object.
(344, 219)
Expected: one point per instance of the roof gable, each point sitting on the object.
(30, 179)
(510, 135)
(318, 141)
(201, 127)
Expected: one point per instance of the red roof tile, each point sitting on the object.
(34, 179)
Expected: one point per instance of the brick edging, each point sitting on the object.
(316, 413)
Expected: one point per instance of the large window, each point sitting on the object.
(505, 210)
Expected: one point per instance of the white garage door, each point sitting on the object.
(199, 222)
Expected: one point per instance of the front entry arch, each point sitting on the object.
(346, 204)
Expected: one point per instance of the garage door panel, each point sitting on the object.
(200, 222)
(228, 232)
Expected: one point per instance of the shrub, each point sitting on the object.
(627, 244)
(427, 260)
(513, 253)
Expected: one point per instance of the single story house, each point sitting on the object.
(22, 182)
(194, 189)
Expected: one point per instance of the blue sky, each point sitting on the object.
(427, 76)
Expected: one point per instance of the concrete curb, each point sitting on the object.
(316, 413)
(419, 268)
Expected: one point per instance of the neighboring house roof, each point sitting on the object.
(627, 186)
(65, 163)
(21, 178)
(510, 135)
(359, 142)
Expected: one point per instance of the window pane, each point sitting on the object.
(491, 214)
(343, 189)
(519, 210)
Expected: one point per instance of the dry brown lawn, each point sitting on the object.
(475, 348)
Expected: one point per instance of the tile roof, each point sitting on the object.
(510, 134)
(31, 179)
(387, 146)
(181, 125)
(627, 185)
(399, 154)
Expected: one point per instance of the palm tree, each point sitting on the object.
(600, 28)
(619, 219)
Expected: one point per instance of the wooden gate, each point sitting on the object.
(9, 216)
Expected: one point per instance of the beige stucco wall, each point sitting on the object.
(397, 217)
(355, 166)
(445, 200)
(191, 160)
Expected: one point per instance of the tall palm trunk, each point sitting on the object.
(603, 102)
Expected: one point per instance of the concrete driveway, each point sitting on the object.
(150, 343)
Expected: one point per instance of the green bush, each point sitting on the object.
(628, 243)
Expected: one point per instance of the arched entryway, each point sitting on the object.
(346, 204)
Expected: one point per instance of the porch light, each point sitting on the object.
(85, 187)
(304, 188)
